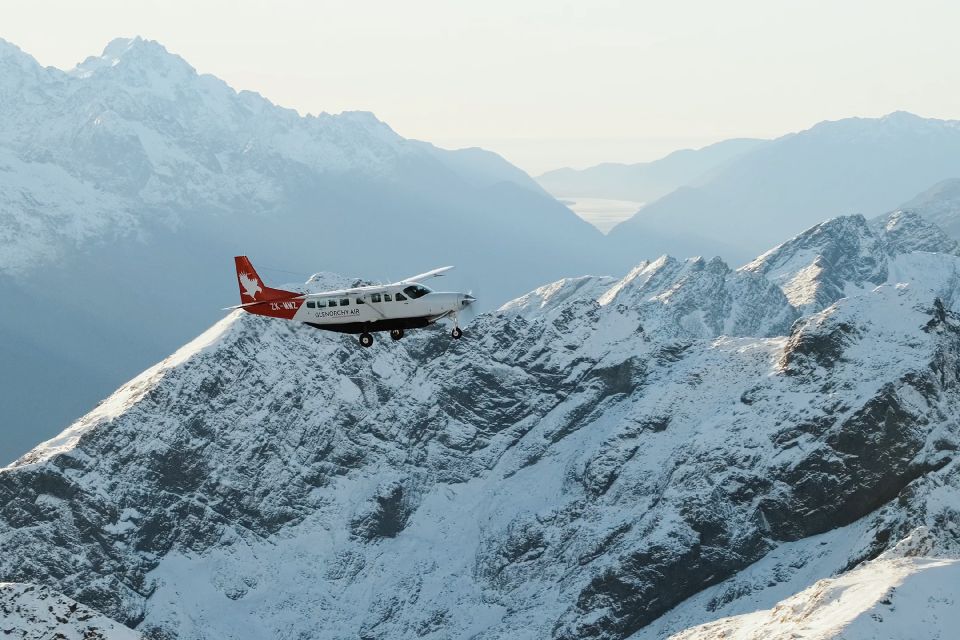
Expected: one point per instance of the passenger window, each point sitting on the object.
(333, 303)
(345, 302)
(400, 297)
(321, 304)
(387, 298)
(310, 304)
(360, 301)
(374, 297)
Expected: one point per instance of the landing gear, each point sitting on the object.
(366, 340)
(396, 334)
(456, 333)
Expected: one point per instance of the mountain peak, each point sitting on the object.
(13, 56)
(905, 230)
(134, 53)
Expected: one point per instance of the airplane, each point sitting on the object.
(395, 307)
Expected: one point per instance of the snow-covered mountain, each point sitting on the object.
(863, 166)
(645, 181)
(129, 182)
(600, 458)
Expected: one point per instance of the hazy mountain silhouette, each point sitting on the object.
(856, 165)
(645, 181)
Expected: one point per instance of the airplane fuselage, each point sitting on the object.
(379, 309)
(394, 307)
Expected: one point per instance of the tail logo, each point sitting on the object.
(251, 286)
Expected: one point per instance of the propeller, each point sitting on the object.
(468, 311)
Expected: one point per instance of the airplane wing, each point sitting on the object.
(433, 273)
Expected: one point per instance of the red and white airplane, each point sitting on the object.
(395, 307)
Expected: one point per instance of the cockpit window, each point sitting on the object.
(416, 291)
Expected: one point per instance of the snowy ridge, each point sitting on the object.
(29, 612)
(129, 394)
(845, 255)
(601, 458)
(881, 599)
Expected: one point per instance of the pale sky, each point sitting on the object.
(545, 83)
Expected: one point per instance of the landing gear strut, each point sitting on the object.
(456, 333)
(366, 340)
(396, 334)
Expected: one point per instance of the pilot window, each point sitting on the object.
(416, 291)
(310, 304)
(400, 297)
(344, 302)
(374, 297)
(333, 303)
(387, 298)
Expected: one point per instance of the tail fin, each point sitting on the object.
(252, 287)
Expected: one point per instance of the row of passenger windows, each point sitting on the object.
(345, 302)
(414, 291)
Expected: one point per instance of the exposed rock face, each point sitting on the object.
(906, 230)
(582, 462)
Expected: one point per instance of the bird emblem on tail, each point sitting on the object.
(251, 286)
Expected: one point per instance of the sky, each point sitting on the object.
(545, 83)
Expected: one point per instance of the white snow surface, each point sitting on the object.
(899, 599)
(32, 612)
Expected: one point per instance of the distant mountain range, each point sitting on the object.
(735, 198)
(866, 166)
(645, 181)
(632, 457)
(129, 182)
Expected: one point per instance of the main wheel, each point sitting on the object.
(366, 339)
(456, 333)
(396, 334)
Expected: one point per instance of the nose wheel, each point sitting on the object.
(457, 333)
(366, 340)
(396, 334)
